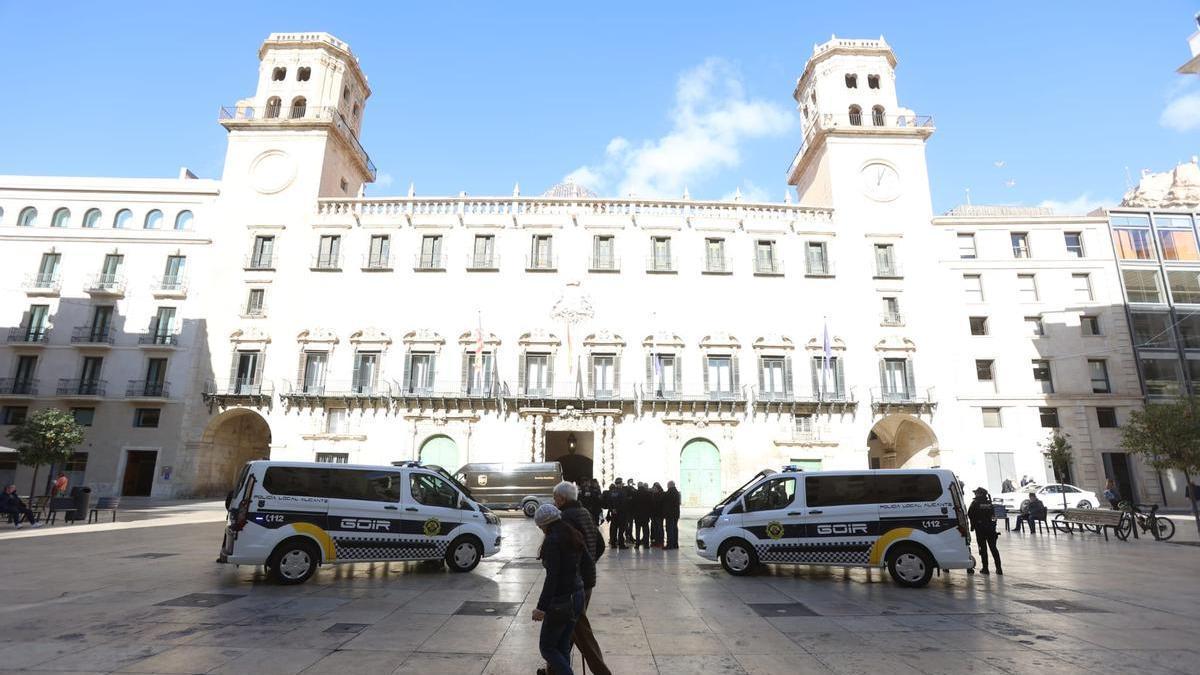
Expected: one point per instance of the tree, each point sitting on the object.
(46, 437)
(1168, 436)
(1058, 449)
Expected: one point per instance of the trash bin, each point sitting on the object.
(83, 501)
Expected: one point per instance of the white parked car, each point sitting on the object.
(1052, 495)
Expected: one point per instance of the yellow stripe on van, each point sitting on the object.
(320, 535)
(886, 540)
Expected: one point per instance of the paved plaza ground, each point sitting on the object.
(150, 599)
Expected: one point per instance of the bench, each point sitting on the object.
(1094, 520)
(104, 504)
(57, 504)
(1001, 512)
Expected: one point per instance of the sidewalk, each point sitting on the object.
(136, 512)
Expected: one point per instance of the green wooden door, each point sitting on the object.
(442, 451)
(700, 474)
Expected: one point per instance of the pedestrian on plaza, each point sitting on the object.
(1112, 494)
(1025, 480)
(616, 515)
(1032, 511)
(641, 515)
(589, 497)
(982, 514)
(575, 515)
(60, 485)
(671, 515)
(1007, 486)
(14, 508)
(656, 516)
(627, 519)
(563, 556)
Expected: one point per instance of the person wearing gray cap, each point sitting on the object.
(563, 553)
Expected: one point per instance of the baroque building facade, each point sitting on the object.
(659, 339)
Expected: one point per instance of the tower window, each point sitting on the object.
(344, 185)
(61, 218)
(273, 106)
(299, 107)
(872, 81)
(855, 116)
(345, 93)
(851, 81)
(303, 73)
(153, 220)
(28, 217)
(354, 111)
(279, 74)
(877, 115)
(122, 219)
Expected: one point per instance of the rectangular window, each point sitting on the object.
(765, 259)
(333, 457)
(1034, 326)
(89, 376)
(1178, 244)
(603, 381)
(773, 375)
(1163, 376)
(48, 269)
(665, 376)
(336, 420)
(604, 252)
(719, 377)
(891, 312)
(35, 327)
(329, 252)
(1098, 369)
(13, 414)
(313, 374)
(146, 418)
(256, 302)
(1142, 285)
(885, 261)
(660, 254)
(537, 374)
(973, 286)
(1020, 244)
(247, 372)
(376, 485)
(173, 273)
(985, 370)
(1089, 325)
(366, 373)
(1152, 330)
(895, 375)
(483, 255)
(262, 255)
(802, 424)
(1074, 242)
(816, 259)
(23, 382)
(979, 325)
(111, 268)
(828, 380)
(1189, 331)
(1081, 288)
(991, 417)
(84, 417)
(839, 490)
(1049, 418)
(479, 381)
(1134, 243)
(541, 254)
(1106, 418)
(1027, 290)
(156, 378)
(1041, 375)
(714, 256)
(431, 253)
(966, 246)
(379, 255)
(1185, 286)
(420, 372)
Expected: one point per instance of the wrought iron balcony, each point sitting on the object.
(170, 285)
(260, 261)
(93, 335)
(426, 262)
(239, 387)
(660, 264)
(339, 389)
(82, 387)
(888, 271)
(29, 335)
(768, 267)
(377, 262)
(43, 284)
(148, 389)
(541, 263)
(106, 284)
(891, 319)
(327, 262)
(603, 263)
(718, 265)
(12, 386)
(483, 262)
(818, 268)
(159, 339)
(919, 400)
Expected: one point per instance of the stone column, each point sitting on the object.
(601, 444)
(610, 445)
(539, 438)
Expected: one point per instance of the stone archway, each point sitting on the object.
(902, 442)
(230, 440)
(441, 451)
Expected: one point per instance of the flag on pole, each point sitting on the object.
(827, 355)
(478, 376)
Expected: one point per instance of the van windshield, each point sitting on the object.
(446, 474)
(738, 492)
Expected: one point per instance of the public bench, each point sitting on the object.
(57, 504)
(104, 504)
(1093, 520)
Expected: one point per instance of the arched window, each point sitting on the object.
(303, 73)
(855, 116)
(851, 81)
(122, 219)
(345, 93)
(91, 218)
(299, 105)
(273, 106)
(872, 81)
(61, 218)
(354, 111)
(183, 221)
(877, 115)
(28, 217)
(279, 74)
(153, 220)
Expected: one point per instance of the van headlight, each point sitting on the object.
(491, 518)
(707, 521)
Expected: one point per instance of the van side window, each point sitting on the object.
(904, 488)
(838, 490)
(771, 495)
(297, 481)
(432, 491)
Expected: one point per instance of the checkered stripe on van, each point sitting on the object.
(385, 549)
(844, 553)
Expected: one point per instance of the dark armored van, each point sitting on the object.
(522, 486)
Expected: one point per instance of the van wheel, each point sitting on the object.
(738, 558)
(911, 566)
(529, 508)
(293, 561)
(464, 554)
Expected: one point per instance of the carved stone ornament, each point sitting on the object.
(309, 335)
(603, 339)
(893, 343)
(774, 341)
(468, 339)
(539, 338)
(719, 341)
(423, 336)
(371, 336)
(661, 340)
(836, 344)
(573, 305)
(252, 334)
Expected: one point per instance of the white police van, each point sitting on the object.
(294, 516)
(912, 521)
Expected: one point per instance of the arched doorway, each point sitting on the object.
(902, 442)
(572, 449)
(231, 439)
(700, 473)
(442, 451)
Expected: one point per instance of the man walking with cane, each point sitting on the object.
(566, 498)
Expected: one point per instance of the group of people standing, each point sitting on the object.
(639, 515)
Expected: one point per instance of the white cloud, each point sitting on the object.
(384, 180)
(1182, 113)
(1081, 205)
(710, 120)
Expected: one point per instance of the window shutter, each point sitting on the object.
(839, 378)
(787, 376)
(590, 376)
(704, 367)
(883, 383)
(909, 380)
(300, 369)
(651, 385)
(466, 371)
(521, 374)
(548, 385)
(733, 370)
(616, 374)
(258, 367)
(815, 364)
(761, 375)
(233, 371)
(407, 384)
(431, 374)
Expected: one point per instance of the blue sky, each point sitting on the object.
(478, 96)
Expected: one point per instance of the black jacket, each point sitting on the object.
(589, 497)
(641, 504)
(11, 503)
(982, 515)
(562, 565)
(578, 517)
(656, 504)
(671, 503)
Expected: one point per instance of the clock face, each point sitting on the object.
(880, 182)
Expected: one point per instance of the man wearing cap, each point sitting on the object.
(566, 498)
(982, 515)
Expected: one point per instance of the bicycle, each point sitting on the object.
(1161, 528)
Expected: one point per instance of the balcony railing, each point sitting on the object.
(603, 263)
(377, 262)
(12, 386)
(148, 389)
(483, 262)
(43, 283)
(239, 387)
(718, 265)
(106, 284)
(29, 335)
(661, 264)
(159, 339)
(250, 311)
(541, 263)
(327, 262)
(888, 271)
(265, 261)
(79, 387)
(429, 263)
(170, 284)
(93, 335)
(236, 116)
(339, 389)
(768, 266)
(891, 319)
(901, 397)
(818, 268)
